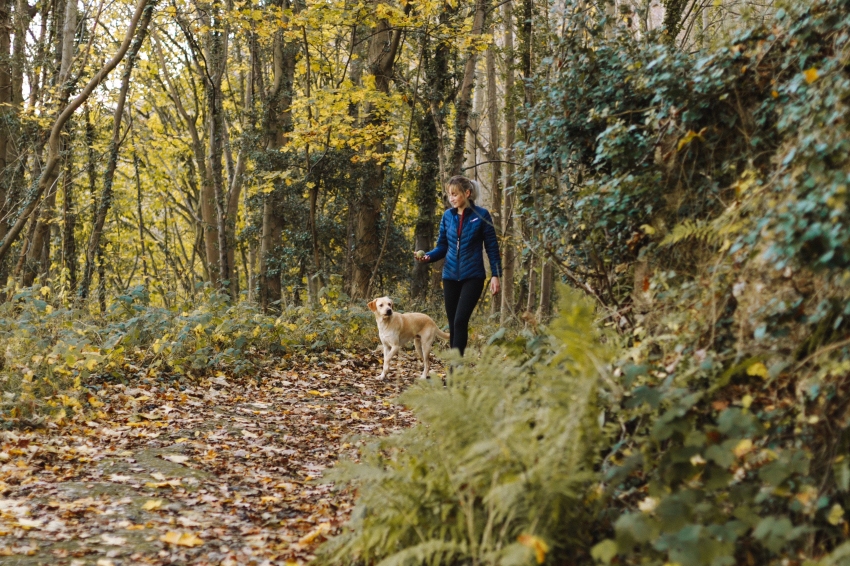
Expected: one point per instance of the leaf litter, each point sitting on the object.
(220, 470)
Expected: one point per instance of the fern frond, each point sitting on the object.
(692, 230)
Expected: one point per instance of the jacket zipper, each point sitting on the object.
(459, 234)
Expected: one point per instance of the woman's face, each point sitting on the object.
(458, 197)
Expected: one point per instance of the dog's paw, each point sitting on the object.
(381, 377)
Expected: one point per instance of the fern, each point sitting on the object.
(504, 450)
(692, 230)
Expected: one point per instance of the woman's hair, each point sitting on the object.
(464, 184)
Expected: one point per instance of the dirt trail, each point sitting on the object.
(213, 472)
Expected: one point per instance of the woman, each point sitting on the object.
(464, 230)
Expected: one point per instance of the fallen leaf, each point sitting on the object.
(152, 504)
(112, 540)
(176, 458)
(181, 539)
(321, 530)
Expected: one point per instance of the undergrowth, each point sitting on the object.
(700, 201)
(51, 351)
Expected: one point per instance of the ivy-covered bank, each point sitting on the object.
(699, 203)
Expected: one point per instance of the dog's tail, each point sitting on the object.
(443, 335)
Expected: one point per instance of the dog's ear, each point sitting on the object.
(372, 306)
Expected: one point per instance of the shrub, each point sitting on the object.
(51, 350)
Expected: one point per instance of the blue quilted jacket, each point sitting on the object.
(464, 259)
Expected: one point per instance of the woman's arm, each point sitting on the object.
(442, 248)
(491, 244)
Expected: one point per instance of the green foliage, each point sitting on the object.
(701, 200)
(51, 351)
(498, 466)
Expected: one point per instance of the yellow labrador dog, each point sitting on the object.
(396, 330)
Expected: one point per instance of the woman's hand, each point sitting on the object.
(421, 257)
(495, 286)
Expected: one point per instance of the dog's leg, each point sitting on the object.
(386, 361)
(389, 355)
(417, 343)
(426, 355)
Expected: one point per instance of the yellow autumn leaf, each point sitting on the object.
(321, 530)
(836, 515)
(811, 75)
(152, 504)
(689, 137)
(743, 447)
(95, 402)
(181, 539)
(91, 363)
(758, 369)
(537, 544)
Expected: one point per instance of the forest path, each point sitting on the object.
(216, 473)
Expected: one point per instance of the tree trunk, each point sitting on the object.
(464, 102)
(547, 278)
(493, 149)
(427, 191)
(508, 245)
(7, 111)
(277, 124)
(383, 46)
(528, 279)
(216, 64)
(64, 49)
(142, 245)
(106, 192)
(69, 217)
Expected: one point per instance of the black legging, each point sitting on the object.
(461, 298)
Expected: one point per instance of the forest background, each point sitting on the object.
(194, 187)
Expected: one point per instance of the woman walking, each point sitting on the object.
(464, 230)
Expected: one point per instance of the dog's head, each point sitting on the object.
(382, 306)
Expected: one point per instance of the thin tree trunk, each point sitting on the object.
(547, 278)
(528, 279)
(7, 110)
(106, 192)
(464, 103)
(101, 280)
(508, 245)
(69, 217)
(531, 298)
(216, 60)
(142, 245)
(493, 148)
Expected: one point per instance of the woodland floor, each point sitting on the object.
(219, 471)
